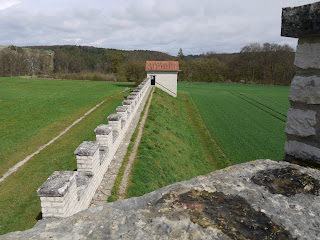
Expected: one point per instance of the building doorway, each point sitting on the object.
(153, 80)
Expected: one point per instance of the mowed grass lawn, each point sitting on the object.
(247, 121)
(32, 112)
(19, 204)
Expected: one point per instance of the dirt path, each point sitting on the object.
(125, 179)
(21, 163)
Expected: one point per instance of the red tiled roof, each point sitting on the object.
(162, 66)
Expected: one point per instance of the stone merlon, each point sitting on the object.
(301, 21)
(122, 109)
(131, 97)
(114, 117)
(87, 148)
(57, 184)
(103, 129)
(126, 102)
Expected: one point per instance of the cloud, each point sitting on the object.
(193, 25)
(4, 4)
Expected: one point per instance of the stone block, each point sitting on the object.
(103, 129)
(57, 184)
(58, 204)
(87, 148)
(46, 204)
(127, 102)
(302, 151)
(305, 90)
(114, 117)
(307, 54)
(122, 109)
(131, 97)
(301, 21)
(301, 123)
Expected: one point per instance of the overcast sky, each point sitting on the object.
(196, 26)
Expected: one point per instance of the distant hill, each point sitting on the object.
(142, 55)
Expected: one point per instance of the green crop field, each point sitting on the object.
(61, 101)
(247, 121)
(32, 112)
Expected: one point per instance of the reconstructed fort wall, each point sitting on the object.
(68, 192)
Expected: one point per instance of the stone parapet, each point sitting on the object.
(261, 199)
(303, 118)
(66, 193)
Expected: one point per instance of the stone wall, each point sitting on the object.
(65, 192)
(303, 119)
(262, 199)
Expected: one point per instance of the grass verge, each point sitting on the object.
(171, 150)
(19, 205)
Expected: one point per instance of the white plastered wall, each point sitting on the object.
(166, 81)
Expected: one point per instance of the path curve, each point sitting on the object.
(21, 163)
(125, 179)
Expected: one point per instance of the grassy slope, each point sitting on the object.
(247, 121)
(35, 111)
(170, 148)
(19, 205)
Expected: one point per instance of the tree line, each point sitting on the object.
(256, 63)
(17, 61)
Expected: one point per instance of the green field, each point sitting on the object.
(247, 121)
(174, 146)
(32, 112)
(19, 204)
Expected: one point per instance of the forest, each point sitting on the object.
(257, 63)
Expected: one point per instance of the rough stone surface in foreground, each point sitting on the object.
(263, 199)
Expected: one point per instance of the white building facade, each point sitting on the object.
(164, 75)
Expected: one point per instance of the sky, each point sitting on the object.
(195, 26)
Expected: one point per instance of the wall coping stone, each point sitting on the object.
(87, 148)
(103, 129)
(131, 97)
(122, 109)
(57, 184)
(114, 117)
(137, 90)
(301, 21)
(127, 102)
(134, 94)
